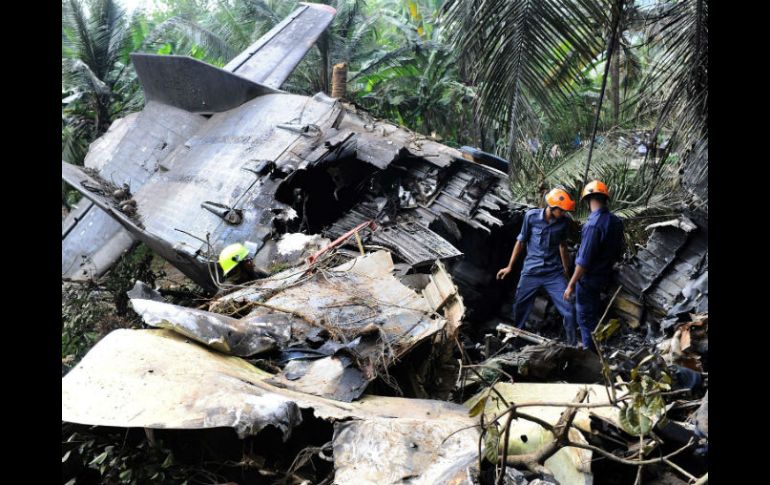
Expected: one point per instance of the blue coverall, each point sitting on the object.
(543, 269)
(601, 245)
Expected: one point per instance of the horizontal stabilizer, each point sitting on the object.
(192, 85)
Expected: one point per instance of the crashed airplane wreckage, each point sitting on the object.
(191, 373)
(222, 155)
(219, 156)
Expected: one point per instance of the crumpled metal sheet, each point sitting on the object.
(372, 317)
(387, 451)
(362, 303)
(242, 337)
(158, 379)
(671, 272)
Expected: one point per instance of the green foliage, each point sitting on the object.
(479, 406)
(635, 191)
(131, 267)
(105, 457)
(81, 311)
(646, 406)
(90, 312)
(492, 444)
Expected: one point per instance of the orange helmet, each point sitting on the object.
(595, 187)
(560, 198)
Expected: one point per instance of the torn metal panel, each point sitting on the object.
(91, 242)
(372, 317)
(388, 451)
(242, 337)
(360, 302)
(670, 275)
(440, 289)
(271, 59)
(158, 379)
(413, 242)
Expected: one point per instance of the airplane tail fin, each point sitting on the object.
(271, 59)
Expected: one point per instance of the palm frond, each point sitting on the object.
(215, 47)
(681, 69)
(525, 51)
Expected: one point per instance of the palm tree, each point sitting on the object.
(530, 57)
(525, 52)
(95, 58)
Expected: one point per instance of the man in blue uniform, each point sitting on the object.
(544, 232)
(601, 245)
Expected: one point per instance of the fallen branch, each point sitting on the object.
(625, 461)
(606, 373)
(702, 480)
(534, 461)
(681, 470)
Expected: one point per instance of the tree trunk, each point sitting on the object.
(323, 48)
(615, 86)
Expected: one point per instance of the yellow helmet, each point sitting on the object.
(231, 256)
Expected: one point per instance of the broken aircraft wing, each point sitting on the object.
(158, 379)
(134, 148)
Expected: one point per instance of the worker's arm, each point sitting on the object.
(517, 249)
(586, 254)
(564, 258)
(579, 270)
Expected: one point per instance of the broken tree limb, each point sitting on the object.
(625, 461)
(606, 373)
(702, 480)
(523, 334)
(506, 437)
(534, 461)
(638, 480)
(681, 470)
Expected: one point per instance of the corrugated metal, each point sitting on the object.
(670, 275)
